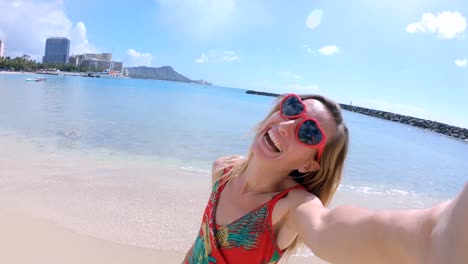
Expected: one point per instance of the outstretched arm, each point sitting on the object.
(450, 235)
(354, 235)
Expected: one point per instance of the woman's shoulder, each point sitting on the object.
(222, 163)
(294, 200)
(299, 196)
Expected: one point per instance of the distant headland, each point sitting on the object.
(166, 73)
(441, 128)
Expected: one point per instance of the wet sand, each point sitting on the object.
(60, 206)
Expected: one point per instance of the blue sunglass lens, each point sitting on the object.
(292, 107)
(309, 133)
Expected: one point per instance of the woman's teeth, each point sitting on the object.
(272, 142)
(275, 141)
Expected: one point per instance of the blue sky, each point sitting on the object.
(404, 56)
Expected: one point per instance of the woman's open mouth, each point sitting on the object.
(271, 142)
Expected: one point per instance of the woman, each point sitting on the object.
(263, 205)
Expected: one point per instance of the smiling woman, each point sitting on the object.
(386, 55)
(264, 205)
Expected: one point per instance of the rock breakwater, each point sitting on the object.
(441, 128)
(437, 127)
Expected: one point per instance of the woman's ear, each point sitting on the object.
(310, 166)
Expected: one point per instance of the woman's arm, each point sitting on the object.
(450, 235)
(354, 235)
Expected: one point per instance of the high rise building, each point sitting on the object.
(2, 49)
(57, 50)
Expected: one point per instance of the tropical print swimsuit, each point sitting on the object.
(248, 240)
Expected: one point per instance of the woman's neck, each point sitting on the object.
(261, 179)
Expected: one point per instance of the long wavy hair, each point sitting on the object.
(324, 182)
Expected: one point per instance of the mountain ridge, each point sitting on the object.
(166, 73)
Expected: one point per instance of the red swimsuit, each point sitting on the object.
(249, 239)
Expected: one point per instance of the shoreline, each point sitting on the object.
(433, 126)
(59, 206)
(16, 72)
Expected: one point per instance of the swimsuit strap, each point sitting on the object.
(285, 192)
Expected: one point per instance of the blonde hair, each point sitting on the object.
(322, 183)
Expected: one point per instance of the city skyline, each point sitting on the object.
(398, 56)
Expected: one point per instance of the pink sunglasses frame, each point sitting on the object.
(320, 146)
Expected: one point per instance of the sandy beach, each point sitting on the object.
(27, 240)
(59, 206)
(31, 240)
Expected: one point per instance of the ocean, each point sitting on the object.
(92, 142)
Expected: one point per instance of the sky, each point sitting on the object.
(403, 56)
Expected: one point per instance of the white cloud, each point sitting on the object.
(289, 75)
(201, 17)
(461, 63)
(230, 56)
(135, 58)
(203, 58)
(79, 40)
(217, 56)
(26, 24)
(446, 24)
(329, 50)
(302, 89)
(314, 18)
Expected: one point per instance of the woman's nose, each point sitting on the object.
(286, 127)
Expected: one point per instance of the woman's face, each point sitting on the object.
(277, 141)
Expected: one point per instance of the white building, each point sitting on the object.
(2, 48)
(96, 62)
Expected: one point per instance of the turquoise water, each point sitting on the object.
(191, 125)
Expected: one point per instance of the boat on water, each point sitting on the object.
(108, 74)
(36, 79)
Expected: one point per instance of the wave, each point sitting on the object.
(195, 170)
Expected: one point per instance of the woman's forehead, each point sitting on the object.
(320, 112)
(317, 109)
